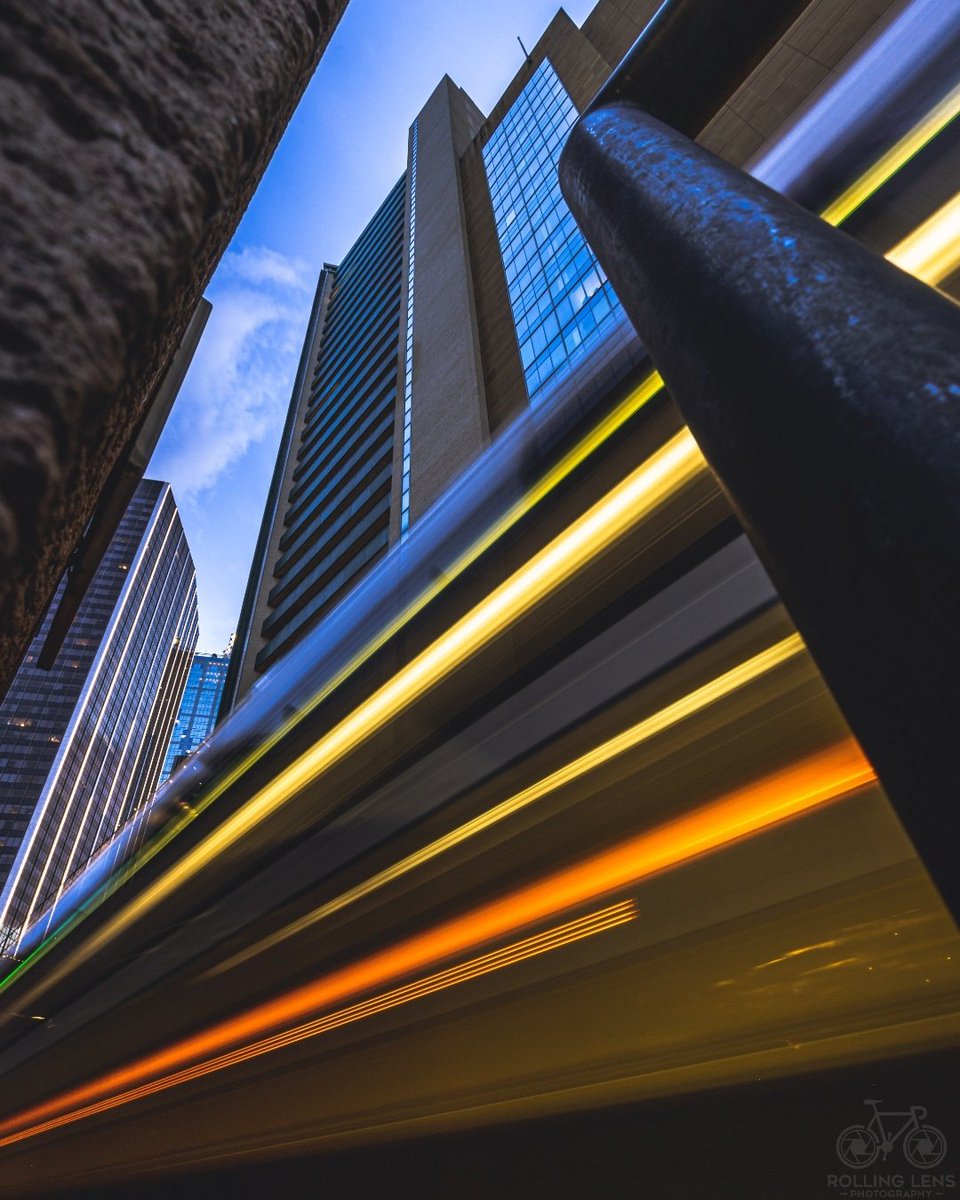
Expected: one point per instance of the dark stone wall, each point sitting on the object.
(132, 135)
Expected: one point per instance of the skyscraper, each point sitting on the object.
(81, 745)
(470, 295)
(332, 493)
(198, 708)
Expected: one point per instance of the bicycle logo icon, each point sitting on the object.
(923, 1146)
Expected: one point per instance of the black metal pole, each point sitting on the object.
(823, 385)
(694, 54)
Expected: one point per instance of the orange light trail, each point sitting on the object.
(822, 777)
(551, 939)
(656, 723)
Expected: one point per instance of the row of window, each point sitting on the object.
(562, 303)
(408, 346)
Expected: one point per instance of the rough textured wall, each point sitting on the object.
(132, 135)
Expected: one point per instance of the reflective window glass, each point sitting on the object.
(563, 304)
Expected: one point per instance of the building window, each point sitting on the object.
(563, 305)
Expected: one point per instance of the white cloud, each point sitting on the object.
(261, 265)
(238, 386)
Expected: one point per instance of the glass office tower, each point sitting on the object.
(198, 709)
(329, 509)
(81, 745)
(414, 357)
(563, 306)
(471, 296)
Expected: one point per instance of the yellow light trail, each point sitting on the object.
(672, 714)
(897, 157)
(929, 127)
(605, 428)
(818, 779)
(932, 251)
(532, 947)
(675, 465)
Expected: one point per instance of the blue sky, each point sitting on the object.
(343, 150)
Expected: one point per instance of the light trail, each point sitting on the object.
(921, 135)
(895, 159)
(552, 939)
(819, 779)
(675, 465)
(932, 251)
(687, 706)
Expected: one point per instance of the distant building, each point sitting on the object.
(198, 709)
(82, 745)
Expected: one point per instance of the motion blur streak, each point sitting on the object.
(932, 251)
(675, 464)
(828, 775)
(861, 190)
(630, 405)
(551, 939)
(895, 158)
(687, 706)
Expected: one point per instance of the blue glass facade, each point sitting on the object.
(198, 709)
(563, 305)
